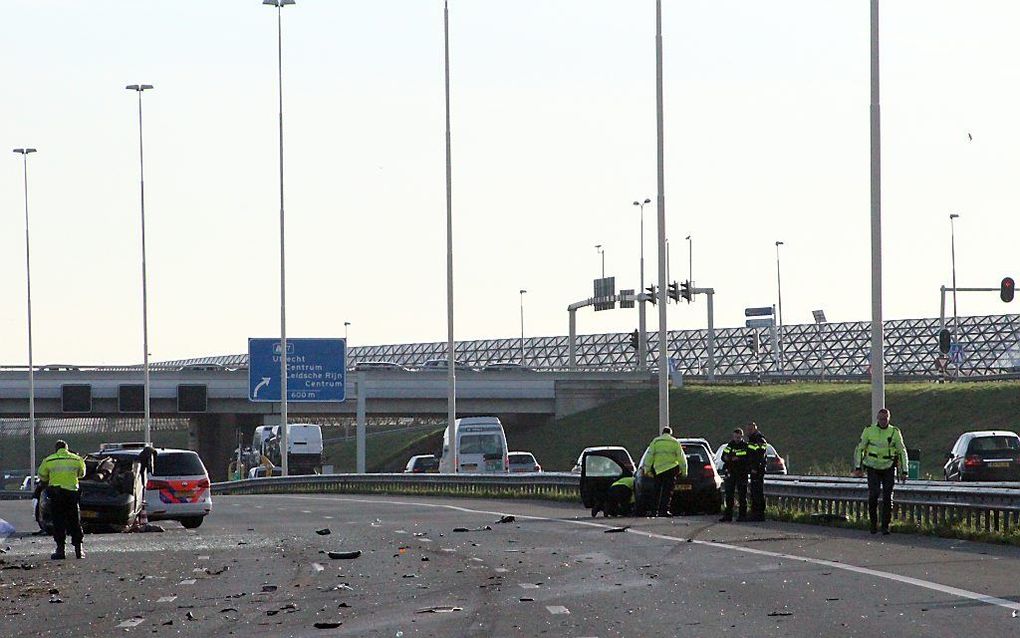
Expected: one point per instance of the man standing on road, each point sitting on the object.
(881, 452)
(756, 448)
(735, 459)
(665, 461)
(60, 472)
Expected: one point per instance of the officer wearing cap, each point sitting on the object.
(60, 472)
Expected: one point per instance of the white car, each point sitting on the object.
(178, 488)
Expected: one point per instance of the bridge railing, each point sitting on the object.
(991, 507)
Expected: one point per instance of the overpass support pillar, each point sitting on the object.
(362, 397)
(214, 437)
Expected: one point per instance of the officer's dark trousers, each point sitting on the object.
(664, 484)
(756, 485)
(736, 482)
(618, 502)
(883, 480)
(66, 516)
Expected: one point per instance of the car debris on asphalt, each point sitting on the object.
(344, 555)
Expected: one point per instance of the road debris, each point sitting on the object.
(617, 530)
(327, 625)
(442, 609)
(484, 528)
(780, 613)
(325, 531)
(190, 616)
(269, 588)
(344, 555)
(509, 518)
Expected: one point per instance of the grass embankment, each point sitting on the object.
(384, 452)
(815, 425)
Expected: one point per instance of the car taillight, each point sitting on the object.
(708, 471)
(153, 484)
(780, 463)
(538, 468)
(203, 483)
(973, 461)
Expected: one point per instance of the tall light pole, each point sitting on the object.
(139, 89)
(641, 205)
(347, 324)
(779, 293)
(451, 348)
(523, 292)
(661, 203)
(690, 260)
(877, 331)
(952, 243)
(602, 253)
(24, 152)
(284, 429)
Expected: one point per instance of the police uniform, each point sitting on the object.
(666, 462)
(735, 461)
(880, 451)
(61, 471)
(756, 448)
(620, 500)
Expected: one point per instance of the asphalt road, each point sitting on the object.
(256, 568)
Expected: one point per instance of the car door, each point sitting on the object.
(599, 470)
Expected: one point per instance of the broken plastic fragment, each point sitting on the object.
(325, 531)
(327, 625)
(344, 555)
(444, 609)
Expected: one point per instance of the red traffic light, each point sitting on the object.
(1007, 289)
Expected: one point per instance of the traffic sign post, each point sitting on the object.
(316, 370)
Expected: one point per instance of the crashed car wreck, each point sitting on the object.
(110, 495)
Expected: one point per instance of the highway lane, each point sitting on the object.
(770, 579)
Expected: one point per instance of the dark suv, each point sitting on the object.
(990, 455)
(698, 492)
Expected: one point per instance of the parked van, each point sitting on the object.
(479, 445)
(304, 444)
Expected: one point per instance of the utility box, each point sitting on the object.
(913, 463)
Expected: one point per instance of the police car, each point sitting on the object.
(177, 489)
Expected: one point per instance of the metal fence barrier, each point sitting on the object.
(991, 507)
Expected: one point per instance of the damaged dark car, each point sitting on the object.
(110, 495)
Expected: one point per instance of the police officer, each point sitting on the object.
(735, 463)
(620, 499)
(60, 472)
(756, 448)
(665, 462)
(881, 452)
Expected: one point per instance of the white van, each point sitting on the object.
(479, 446)
(304, 444)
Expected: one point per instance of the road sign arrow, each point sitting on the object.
(263, 383)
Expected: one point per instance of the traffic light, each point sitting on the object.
(945, 340)
(674, 292)
(685, 291)
(1006, 289)
(635, 340)
(651, 291)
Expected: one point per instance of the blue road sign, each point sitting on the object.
(316, 370)
(761, 311)
(956, 353)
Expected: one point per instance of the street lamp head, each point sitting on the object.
(953, 215)
(138, 87)
(24, 151)
(347, 323)
(598, 247)
(636, 203)
(648, 201)
(523, 291)
(277, 3)
(779, 243)
(688, 238)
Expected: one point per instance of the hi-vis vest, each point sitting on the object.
(881, 448)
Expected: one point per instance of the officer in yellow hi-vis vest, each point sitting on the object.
(666, 462)
(881, 452)
(60, 472)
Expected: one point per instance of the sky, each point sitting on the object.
(553, 117)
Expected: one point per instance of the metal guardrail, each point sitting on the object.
(974, 506)
(14, 495)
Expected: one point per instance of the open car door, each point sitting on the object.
(599, 470)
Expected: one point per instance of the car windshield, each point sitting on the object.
(993, 444)
(481, 444)
(696, 454)
(522, 459)
(595, 465)
(178, 464)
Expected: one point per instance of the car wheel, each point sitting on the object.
(192, 522)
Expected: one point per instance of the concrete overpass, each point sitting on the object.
(518, 397)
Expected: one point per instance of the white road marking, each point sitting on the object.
(134, 622)
(328, 518)
(189, 581)
(306, 511)
(867, 571)
(557, 609)
(167, 599)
